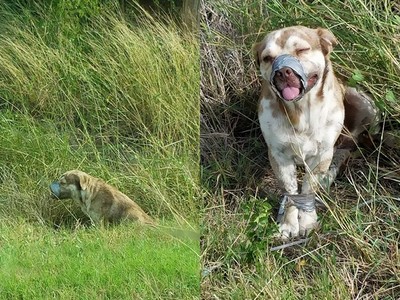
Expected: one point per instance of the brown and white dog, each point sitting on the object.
(100, 201)
(302, 112)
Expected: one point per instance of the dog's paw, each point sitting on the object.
(289, 225)
(297, 215)
(307, 221)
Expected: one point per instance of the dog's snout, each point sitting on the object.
(285, 72)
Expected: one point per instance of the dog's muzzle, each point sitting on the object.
(289, 61)
(55, 189)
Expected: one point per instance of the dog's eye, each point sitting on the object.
(302, 50)
(268, 59)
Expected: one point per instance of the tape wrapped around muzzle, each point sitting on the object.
(289, 61)
(55, 189)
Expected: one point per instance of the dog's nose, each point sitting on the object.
(285, 72)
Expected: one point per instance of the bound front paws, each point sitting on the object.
(297, 215)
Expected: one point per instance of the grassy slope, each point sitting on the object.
(355, 254)
(116, 99)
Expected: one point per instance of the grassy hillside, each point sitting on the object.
(355, 253)
(117, 97)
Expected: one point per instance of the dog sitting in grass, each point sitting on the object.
(303, 110)
(100, 201)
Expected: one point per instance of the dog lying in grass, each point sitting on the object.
(302, 112)
(100, 201)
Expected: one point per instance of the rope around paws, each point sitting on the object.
(305, 202)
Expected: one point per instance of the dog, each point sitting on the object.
(303, 110)
(101, 202)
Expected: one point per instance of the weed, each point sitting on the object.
(259, 230)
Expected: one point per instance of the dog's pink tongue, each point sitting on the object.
(289, 93)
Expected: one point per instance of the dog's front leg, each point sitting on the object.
(285, 170)
(316, 170)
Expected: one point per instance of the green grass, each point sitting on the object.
(118, 101)
(355, 253)
(117, 96)
(123, 262)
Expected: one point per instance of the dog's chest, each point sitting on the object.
(300, 137)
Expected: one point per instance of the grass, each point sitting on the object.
(355, 253)
(114, 263)
(108, 102)
(115, 95)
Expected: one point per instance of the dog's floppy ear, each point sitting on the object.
(83, 181)
(327, 40)
(80, 179)
(257, 50)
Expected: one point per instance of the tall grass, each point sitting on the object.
(117, 96)
(119, 100)
(355, 253)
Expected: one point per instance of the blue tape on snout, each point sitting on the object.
(55, 189)
(292, 62)
(289, 61)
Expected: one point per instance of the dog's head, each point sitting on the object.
(70, 185)
(293, 59)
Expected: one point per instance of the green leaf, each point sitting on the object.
(357, 76)
(390, 96)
